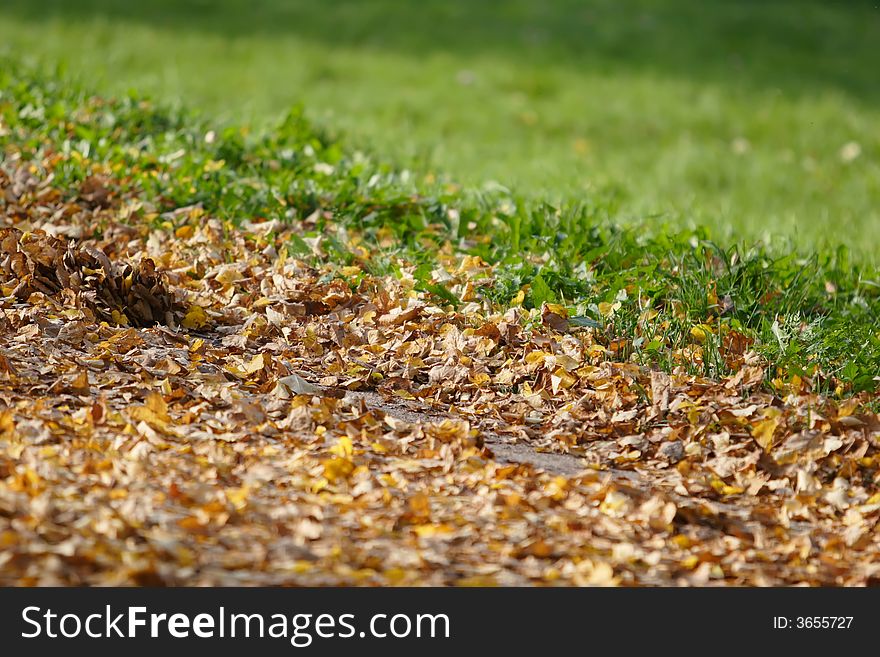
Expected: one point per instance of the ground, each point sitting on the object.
(282, 426)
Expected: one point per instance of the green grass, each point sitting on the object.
(816, 317)
(731, 115)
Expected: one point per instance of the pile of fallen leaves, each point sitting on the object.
(83, 276)
(209, 410)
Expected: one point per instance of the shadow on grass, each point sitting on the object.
(797, 46)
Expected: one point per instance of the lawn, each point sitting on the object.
(753, 119)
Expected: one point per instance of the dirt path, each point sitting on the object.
(502, 451)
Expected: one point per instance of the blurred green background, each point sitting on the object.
(753, 117)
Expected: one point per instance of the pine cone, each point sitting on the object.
(120, 294)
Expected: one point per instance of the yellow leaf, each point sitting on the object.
(426, 531)
(556, 309)
(567, 362)
(195, 318)
(343, 447)
(227, 275)
(690, 562)
(556, 488)
(682, 541)
(480, 378)
(237, 497)
(846, 408)
(184, 231)
(7, 425)
(763, 430)
(28, 481)
(156, 403)
(561, 379)
(154, 411)
(701, 332)
(337, 468)
(476, 580)
(257, 363)
(536, 356)
(449, 431)
(81, 381)
(395, 575)
(120, 319)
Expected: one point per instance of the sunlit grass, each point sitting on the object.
(752, 119)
